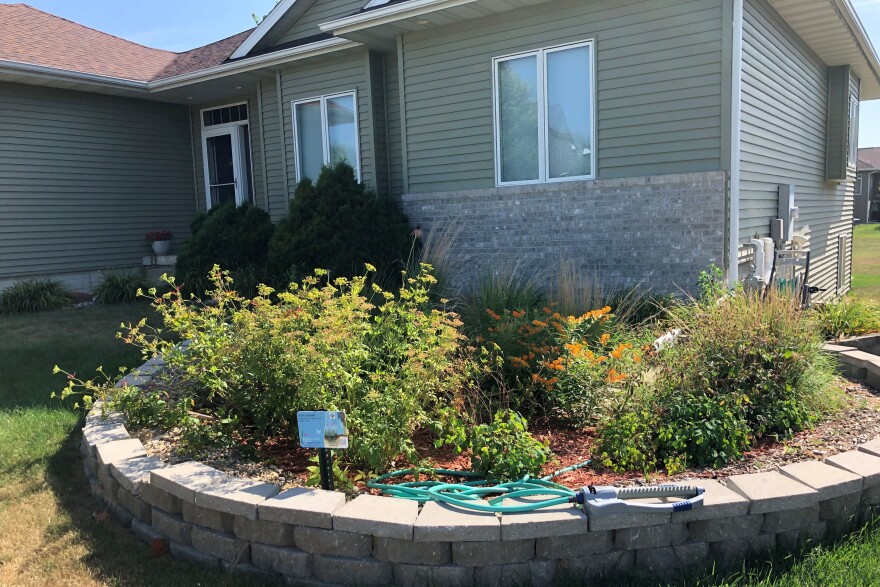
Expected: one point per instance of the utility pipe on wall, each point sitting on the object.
(735, 123)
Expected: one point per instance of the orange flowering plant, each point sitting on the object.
(593, 365)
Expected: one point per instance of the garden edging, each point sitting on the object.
(314, 537)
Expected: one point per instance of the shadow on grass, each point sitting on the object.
(115, 555)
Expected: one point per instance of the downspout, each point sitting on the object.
(735, 129)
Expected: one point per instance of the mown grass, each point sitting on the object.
(866, 261)
(51, 535)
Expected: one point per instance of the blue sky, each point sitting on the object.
(183, 24)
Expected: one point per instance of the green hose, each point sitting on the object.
(469, 494)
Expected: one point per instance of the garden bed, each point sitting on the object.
(282, 462)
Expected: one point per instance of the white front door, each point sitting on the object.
(227, 165)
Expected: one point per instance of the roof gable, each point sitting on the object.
(869, 159)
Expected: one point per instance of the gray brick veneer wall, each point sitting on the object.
(659, 231)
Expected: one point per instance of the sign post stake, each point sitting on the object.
(325, 466)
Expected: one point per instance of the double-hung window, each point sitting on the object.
(545, 115)
(325, 132)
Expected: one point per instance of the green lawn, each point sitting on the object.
(866, 261)
(50, 534)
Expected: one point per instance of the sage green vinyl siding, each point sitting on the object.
(256, 148)
(784, 119)
(83, 177)
(659, 65)
(320, 12)
(376, 71)
(392, 105)
(342, 72)
(274, 149)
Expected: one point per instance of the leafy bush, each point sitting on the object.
(339, 225)
(388, 360)
(744, 368)
(505, 450)
(34, 295)
(117, 287)
(848, 317)
(236, 239)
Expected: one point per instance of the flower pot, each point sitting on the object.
(161, 247)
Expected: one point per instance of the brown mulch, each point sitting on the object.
(284, 463)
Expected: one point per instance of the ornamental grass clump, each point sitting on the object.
(34, 295)
(848, 317)
(390, 361)
(121, 286)
(743, 368)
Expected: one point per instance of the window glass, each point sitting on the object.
(518, 119)
(310, 139)
(569, 113)
(853, 144)
(245, 142)
(341, 130)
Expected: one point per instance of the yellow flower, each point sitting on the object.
(604, 338)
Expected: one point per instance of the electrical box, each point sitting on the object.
(788, 212)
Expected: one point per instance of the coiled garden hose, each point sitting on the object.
(595, 500)
(469, 493)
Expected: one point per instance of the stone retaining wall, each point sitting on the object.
(314, 537)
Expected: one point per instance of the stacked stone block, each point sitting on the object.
(310, 536)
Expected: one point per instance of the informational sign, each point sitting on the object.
(322, 429)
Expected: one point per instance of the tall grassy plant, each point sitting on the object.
(848, 317)
(121, 286)
(34, 295)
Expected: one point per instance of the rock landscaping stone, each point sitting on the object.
(238, 497)
(671, 558)
(504, 575)
(409, 552)
(719, 501)
(160, 499)
(109, 486)
(208, 518)
(561, 547)
(191, 555)
(333, 542)
(771, 492)
(287, 561)
(172, 526)
(829, 481)
(135, 505)
(407, 575)
(578, 571)
(561, 520)
(844, 507)
(788, 520)
(439, 522)
(146, 532)
(542, 572)
(739, 528)
(133, 473)
(861, 463)
(345, 571)
(795, 540)
(246, 570)
(379, 516)
(624, 520)
(134, 380)
(90, 466)
(732, 552)
(224, 546)
(651, 536)
(302, 507)
(476, 554)
(122, 515)
(272, 533)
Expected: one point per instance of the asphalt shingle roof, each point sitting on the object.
(29, 35)
(869, 159)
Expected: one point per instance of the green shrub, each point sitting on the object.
(848, 317)
(743, 368)
(236, 239)
(339, 225)
(34, 295)
(505, 450)
(118, 287)
(390, 361)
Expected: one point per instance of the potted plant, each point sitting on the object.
(160, 241)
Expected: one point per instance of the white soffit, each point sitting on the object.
(833, 31)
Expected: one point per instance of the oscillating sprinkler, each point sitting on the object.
(606, 500)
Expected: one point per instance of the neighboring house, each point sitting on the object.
(640, 140)
(867, 194)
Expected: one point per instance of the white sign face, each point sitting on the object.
(322, 429)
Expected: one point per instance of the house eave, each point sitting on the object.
(17, 70)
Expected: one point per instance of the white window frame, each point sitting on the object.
(858, 184)
(852, 134)
(543, 125)
(227, 128)
(324, 134)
